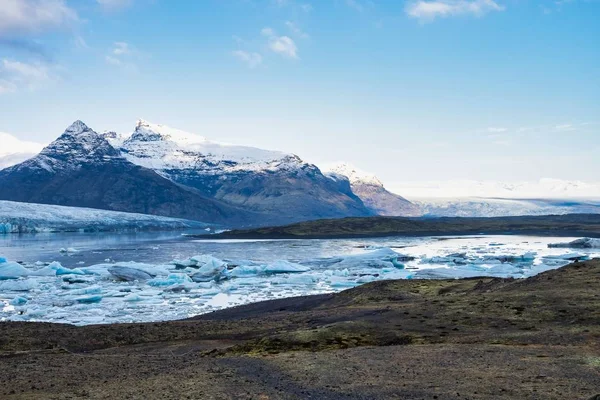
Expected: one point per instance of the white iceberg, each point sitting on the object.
(583, 243)
(12, 270)
(17, 285)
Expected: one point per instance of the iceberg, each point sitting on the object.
(172, 279)
(278, 267)
(382, 258)
(89, 299)
(12, 270)
(129, 274)
(583, 243)
(210, 268)
(18, 301)
(17, 286)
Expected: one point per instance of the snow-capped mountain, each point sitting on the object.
(371, 191)
(164, 171)
(160, 147)
(272, 182)
(82, 169)
(14, 151)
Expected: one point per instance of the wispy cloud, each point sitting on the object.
(429, 10)
(295, 29)
(282, 45)
(123, 55)
(24, 45)
(306, 7)
(252, 60)
(16, 75)
(495, 129)
(565, 128)
(34, 16)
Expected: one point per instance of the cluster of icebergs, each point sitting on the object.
(135, 292)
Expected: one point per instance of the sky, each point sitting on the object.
(424, 90)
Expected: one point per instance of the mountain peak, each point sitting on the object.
(354, 175)
(77, 127)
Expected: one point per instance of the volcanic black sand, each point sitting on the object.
(457, 339)
(544, 225)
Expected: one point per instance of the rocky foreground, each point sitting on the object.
(486, 338)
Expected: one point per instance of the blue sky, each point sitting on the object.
(410, 90)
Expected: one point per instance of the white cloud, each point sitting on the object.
(253, 60)
(33, 16)
(19, 75)
(121, 48)
(113, 5)
(496, 129)
(565, 128)
(15, 150)
(429, 10)
(282, 45)
(123, 55)
(113, 61)
(295, 29)
(267, 32)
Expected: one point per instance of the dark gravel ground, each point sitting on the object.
(462, 339)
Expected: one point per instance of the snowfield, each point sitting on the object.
(18, 217)
(163, 148)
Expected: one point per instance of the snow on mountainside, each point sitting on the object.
(29, 217)
(14, 151)
(495, 207)
(371, 191)
(164, 171)
(545, 188)
(160, 147)
(354, 175)
(82, 169)
(278, 184)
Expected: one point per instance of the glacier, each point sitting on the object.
(17, 217)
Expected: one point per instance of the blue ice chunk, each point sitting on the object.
(172, 279)
(89, 299)
(18, 301)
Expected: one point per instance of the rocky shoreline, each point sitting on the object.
(480, 338)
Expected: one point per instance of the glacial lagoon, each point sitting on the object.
(85, 279)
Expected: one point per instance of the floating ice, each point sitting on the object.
(136, 292)
(12, 270)
(384, 257)
(583, 243)
(69, 250)
(172, 279)
(17, 285)
(129, 274)
(18, 301)
(89, 299)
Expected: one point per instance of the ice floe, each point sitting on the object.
(583, 243)
(134, 291)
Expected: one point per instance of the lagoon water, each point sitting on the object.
(244, 270)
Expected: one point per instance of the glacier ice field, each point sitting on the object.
(107, 278)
